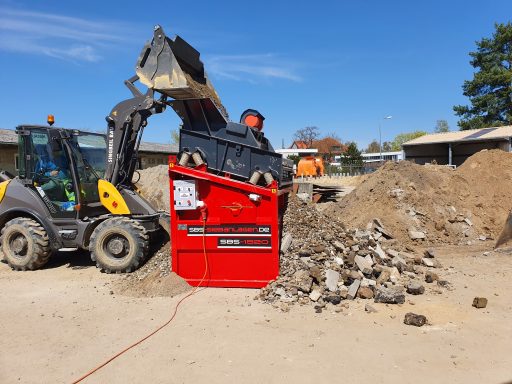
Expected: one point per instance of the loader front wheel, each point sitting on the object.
(119, 245)
(25, 244)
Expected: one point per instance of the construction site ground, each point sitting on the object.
(59, 322)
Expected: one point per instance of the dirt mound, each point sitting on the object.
(153, 185)
(445, 205)
(154, 278)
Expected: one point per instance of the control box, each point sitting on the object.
(185, 197)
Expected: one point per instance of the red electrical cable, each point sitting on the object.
(203, 211)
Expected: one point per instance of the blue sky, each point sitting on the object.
(339, 65)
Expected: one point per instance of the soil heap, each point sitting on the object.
(435, 204)
(153, 185)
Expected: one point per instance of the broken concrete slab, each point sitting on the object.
(364, 265)
(352, 290)
(391, 295)
(331, 280)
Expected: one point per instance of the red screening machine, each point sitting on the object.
(229, 191)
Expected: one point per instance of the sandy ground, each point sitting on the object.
(57, 323)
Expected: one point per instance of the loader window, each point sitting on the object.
(89, 152)
(51, 175)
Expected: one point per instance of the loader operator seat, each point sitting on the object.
(52, 174)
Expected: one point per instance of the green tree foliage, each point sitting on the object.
(352, 156)
(295, 159)
(396, 144)
(441, 126)
(490, 91)
(373, 147)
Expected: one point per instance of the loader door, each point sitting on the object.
(47, 168)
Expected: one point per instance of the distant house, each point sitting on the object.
(298, 144)
(150, 154)
(453, 148)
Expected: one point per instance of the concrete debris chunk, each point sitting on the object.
(430, 277)
(415, 288)
(286, 243)
(352, 290)
(479, 302)
(303, 281)
(430, 253)
(399, 263)
(315, 295)
(364, 265)
(414, 319)
(379, 253)
(331, 280)
(368, 282)
(427, 262)
(391, 295)
(416, 235)
(365, 293)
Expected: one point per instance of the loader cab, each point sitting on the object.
(63, 167)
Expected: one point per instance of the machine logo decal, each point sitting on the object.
(234, 230)
(46, 200)
(249, 242)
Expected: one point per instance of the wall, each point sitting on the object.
(147, 160)
(8, 154)
(421, 154)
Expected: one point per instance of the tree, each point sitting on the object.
(175, 136)
(373, 147)
(386, 146)
(352, 156)
(308, 135)
(396, 144)
(441, 126)
(491, 88)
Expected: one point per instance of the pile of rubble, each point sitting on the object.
(326, 263)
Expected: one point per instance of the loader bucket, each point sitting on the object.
(506, 233)
(173, 68)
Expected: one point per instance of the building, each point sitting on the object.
(453, 148)
(386, 156)
(150, 154)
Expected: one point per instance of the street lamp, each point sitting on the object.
(380, 137)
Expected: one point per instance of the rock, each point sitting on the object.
(286, 242)
(383, 277)
(304, 253)
(319, 248)
(363, 264)
(399, 263)
(339, 246)
(392, 252)
(369, 308)
(430, 277)
(392, 295)
(414, 319)
(427, 262)
(280, 291)
(316, 273)
(430, 253)
(352, 290)
(395, 275)
(368, 282)
(302, 281)
(416, 235)
(331, 280)
(344, 292)
(384, 232)
(415, 288)
(379, 253)
(315, 295)
(333, 299)
(482, 238)
(365, 293)
(339, 261)
(479, 302)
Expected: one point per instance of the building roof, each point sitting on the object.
(493, 134)
(8, 136)
(298, 144)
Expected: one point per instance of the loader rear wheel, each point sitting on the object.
(119, 245)
(25, 244)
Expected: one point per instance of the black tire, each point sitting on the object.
(25, 244)
(119, 245)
